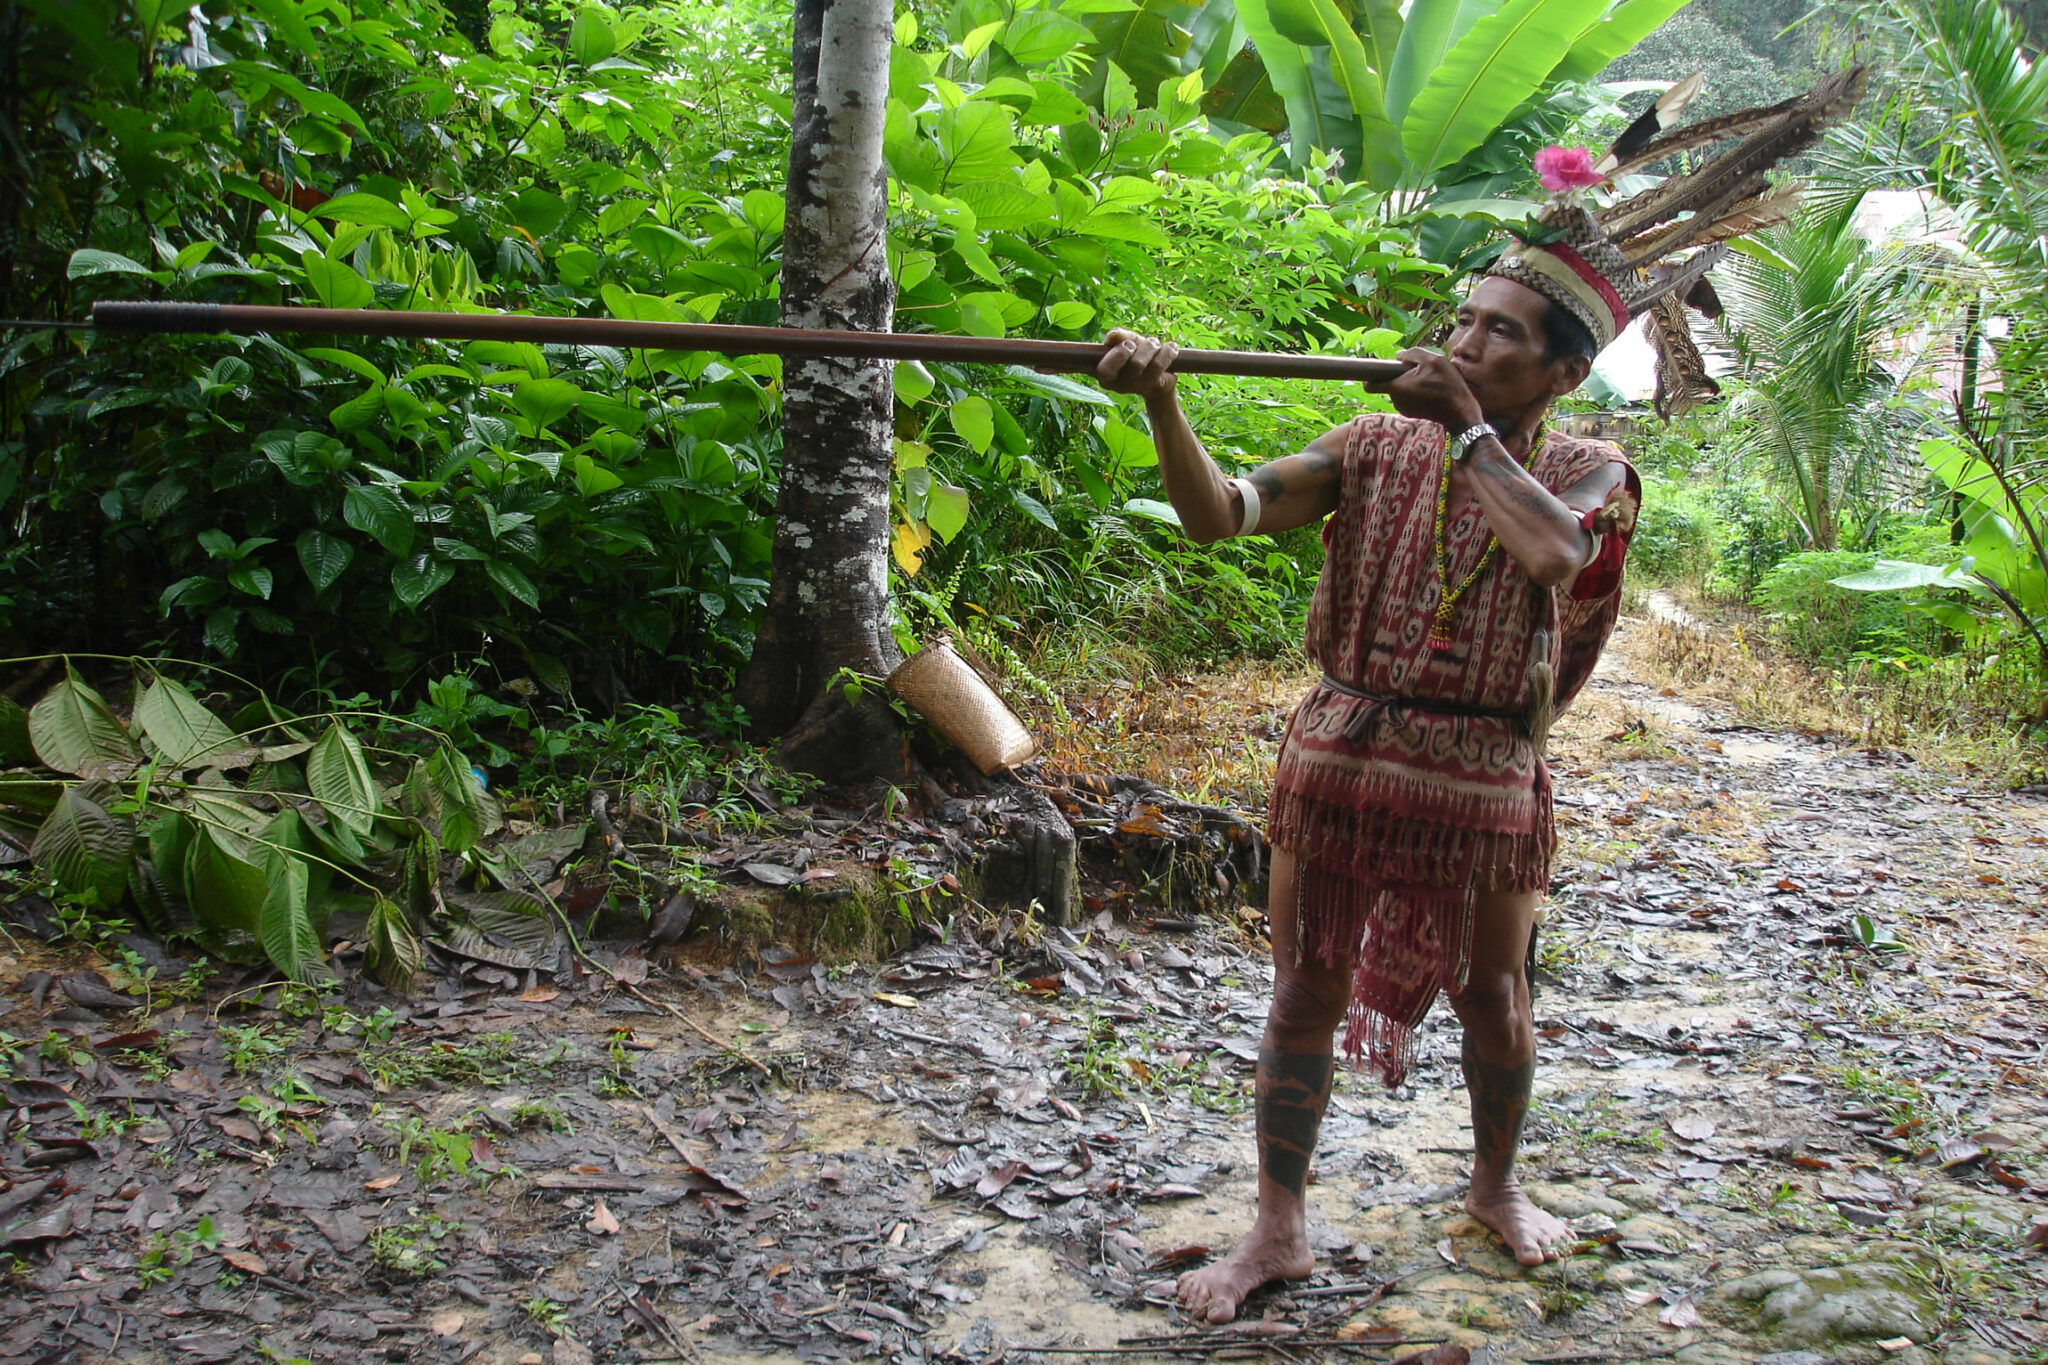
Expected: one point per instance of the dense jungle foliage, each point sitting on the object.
(488, 538)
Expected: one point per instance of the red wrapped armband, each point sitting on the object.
(1614, 522)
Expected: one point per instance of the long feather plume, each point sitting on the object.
(1652, 121)
(1682, 378)
(1744, 122)
(1678, 278)
(1739, 173)
(1759, 212)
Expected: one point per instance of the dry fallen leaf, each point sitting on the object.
(446, 1324)
(1680, 1315)
(383, 1182)
(248, 1262)
(904, 1002)
(1694, 1129)
(602, 1222)
(540, 995)
(1447, 1251)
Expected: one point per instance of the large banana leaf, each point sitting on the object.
(1432, 27)
(1620, 29)
(1317, 29)
(1244, 93)
(1148, 44)
(1318, 114)
(1502, 60)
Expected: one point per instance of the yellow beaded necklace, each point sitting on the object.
(1447, 598)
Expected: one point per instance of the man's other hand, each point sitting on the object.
(1137, 364)
(1433, 388)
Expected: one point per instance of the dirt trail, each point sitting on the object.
(1794, 1008)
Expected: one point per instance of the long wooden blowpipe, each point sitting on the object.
(1072, 357)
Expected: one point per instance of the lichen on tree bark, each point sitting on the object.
(828, 597)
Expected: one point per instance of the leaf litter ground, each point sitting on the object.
(1794, 1004)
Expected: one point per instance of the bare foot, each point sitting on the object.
(1533, 1235)
(1215, 1292)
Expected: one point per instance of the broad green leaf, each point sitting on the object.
(1612, 35)
(285, 919)
(349, 360)
(1069, 315)
(591, 38)
(368, 209)
(468, 814)
(1893, 575)
(913, 381)
(185, 733)
(1153, 509)
(514, 582)
(86, 261)
(1501, 61)
(945, 510)
(1039, 36)
(975, 421)
(1033, 508)
(1124, 227)
(83, 848)
(1351, 66)
(976, 142)
(391, 950)
(323, 557)
(544, 402)
(74, 731)
(1000, 204)
(763, 210)
(339, 777)
(416, 579)
(380, 512)
(1129, 447)
(336, 283)
(224, 889)
(1059, 386)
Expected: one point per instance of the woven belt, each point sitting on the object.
(1361, 724)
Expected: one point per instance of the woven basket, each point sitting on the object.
(962, 706)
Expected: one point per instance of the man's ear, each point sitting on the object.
(1569, 373)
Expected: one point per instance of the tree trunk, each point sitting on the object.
(828, 594)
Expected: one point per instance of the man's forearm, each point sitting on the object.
(1538, 530)
(1203, 498)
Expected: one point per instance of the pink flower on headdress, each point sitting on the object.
(1566, 168)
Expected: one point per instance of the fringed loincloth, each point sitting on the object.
(1399, 811)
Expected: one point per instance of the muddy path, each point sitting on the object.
(1793, 1005)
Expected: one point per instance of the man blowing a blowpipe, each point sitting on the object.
(1472, 576)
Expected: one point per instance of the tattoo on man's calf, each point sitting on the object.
(1500, 1103)
(1293, 1088)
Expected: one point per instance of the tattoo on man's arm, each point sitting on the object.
(1522, 491)
(1285, 476)
(1500, 1103)
(1293, 1089)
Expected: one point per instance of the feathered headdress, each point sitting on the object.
(1648, 254)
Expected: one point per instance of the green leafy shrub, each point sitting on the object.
(142, 815)
(1824, 624)
(1676, 534)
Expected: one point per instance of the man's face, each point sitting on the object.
(1498, 343)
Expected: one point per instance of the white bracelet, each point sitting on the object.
(1251, 506)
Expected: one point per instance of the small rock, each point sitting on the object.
(1873, 1300)
(1985, 1217)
